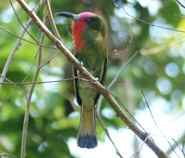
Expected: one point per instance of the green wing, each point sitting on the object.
(76, 87)
(102, 81)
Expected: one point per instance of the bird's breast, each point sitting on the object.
(77, 31)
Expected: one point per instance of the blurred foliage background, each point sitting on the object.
(54, 115)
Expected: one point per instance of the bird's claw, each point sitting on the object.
(81, 63)
(94, 81)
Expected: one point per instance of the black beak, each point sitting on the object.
(71, 16)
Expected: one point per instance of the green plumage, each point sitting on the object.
(94, 58)
(89, 33)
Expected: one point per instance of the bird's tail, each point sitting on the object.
(87, 136)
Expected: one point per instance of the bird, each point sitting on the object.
(89, 34)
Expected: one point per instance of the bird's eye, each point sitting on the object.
(87, 21)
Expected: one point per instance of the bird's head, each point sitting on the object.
(84, 23)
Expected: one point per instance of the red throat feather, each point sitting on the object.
(77, 30)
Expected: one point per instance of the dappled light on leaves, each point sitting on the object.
(164, 85)
(172, 69)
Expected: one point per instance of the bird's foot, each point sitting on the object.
(94, 81)
(81, 63)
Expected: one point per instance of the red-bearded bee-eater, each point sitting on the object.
(89, 33)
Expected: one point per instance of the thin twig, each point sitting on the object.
(8, 155)
(25, 124)
(177, 117)
(26, 117)
(145, 21)
(129, 43)
(50, 60)
(17, 44)
(175, 144)
(51, 19)
(21, 22)
(128, 112)
(69, 34)
(107, 133)
(183, 145)
(27, 40)
(180, 4)
(151, 112)
(6, 98)
(22, 80)
(25, 83)
(116, 77)
(101, 98)
(13, 84)
(140, 148)
(54, 56)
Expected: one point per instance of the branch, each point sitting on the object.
(116, 77)
(180, 4)
(101, 98)
(24, 83)
(84, 73)
(167, 28)
(26, 116)
(11, 83)
(17, 45)
(8, 155)
(51, 19)
(151, 112)
(38, 7)
(114, 80)
(25, 39)
(107, 133)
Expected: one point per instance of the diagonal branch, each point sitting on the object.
(8, 155)
(180, 4)
(84, 73)
(20, 37)
(41, 2)
(145, 22)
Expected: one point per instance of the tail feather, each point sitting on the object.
(87, 136)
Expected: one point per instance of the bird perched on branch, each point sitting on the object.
(89, 33)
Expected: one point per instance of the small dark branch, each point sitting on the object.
(128, 112)
(140, 148)
(176, 145)
(129, 43)
(5, 69)
(147, 22)
(25, 39)
(180, 4)
(21, 22)
(51, 19)
(151, 112)
(183, 145)
(11, 83)
(108, 135)
(50, 60)
(26, 116)
(115, 79)
(7, 155)
(25, 83)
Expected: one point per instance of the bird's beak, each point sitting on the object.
(71, 16)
